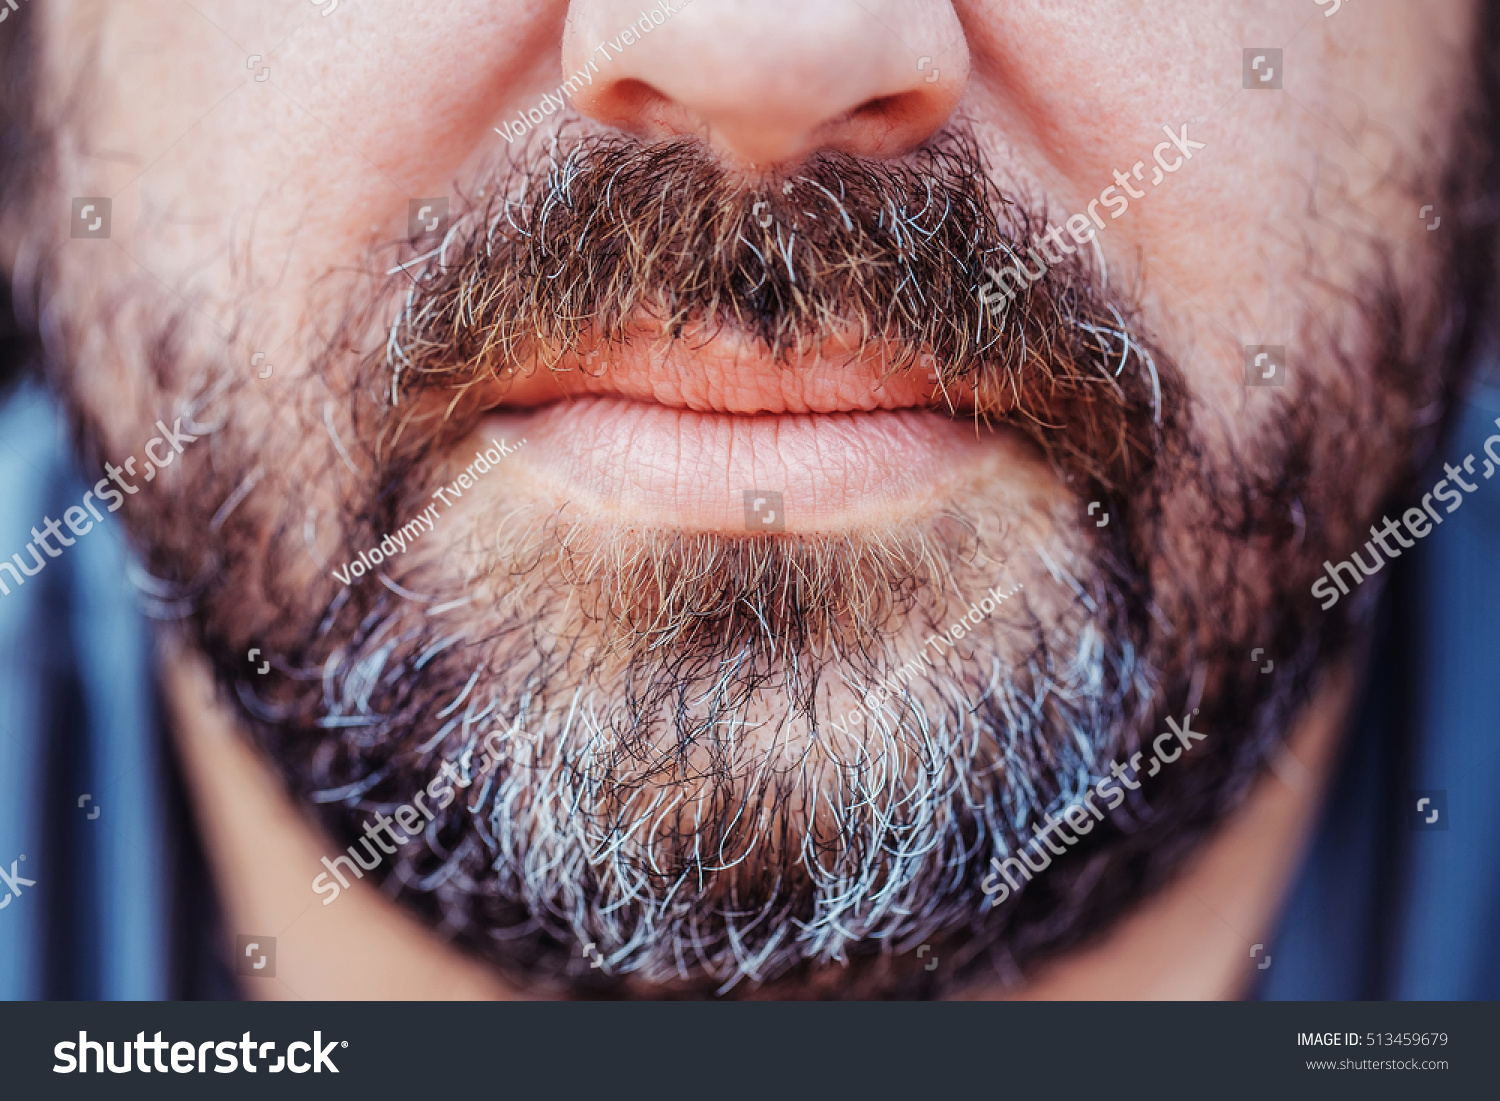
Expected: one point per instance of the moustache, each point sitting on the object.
(575, 249)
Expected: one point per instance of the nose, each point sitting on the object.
(766, 82)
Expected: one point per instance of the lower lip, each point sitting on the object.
(642, 463)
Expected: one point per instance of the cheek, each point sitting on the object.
(243, 193)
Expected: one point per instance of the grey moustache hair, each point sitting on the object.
(574, 246)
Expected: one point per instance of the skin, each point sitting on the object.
(253, 200)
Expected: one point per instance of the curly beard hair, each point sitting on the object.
(639, 726)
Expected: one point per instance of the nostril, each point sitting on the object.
(882, 105)
(911, 113)
(631, 92)
(897, 108)
(628, 104)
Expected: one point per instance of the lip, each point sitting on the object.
(635, 462)
(724, 371)
(673, 431)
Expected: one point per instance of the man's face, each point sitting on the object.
(620, 439)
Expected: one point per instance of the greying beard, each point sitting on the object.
(382, 682)
(679, 797)
(682, 800)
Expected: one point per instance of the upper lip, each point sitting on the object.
(726, 373)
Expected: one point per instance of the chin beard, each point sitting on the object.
(689, 797)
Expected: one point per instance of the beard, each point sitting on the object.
(663, 744)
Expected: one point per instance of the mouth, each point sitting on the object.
(712, 435)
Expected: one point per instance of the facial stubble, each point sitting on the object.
(631, 807)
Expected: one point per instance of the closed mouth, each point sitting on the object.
(670, 432)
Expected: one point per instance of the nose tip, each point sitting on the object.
(766, 82)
